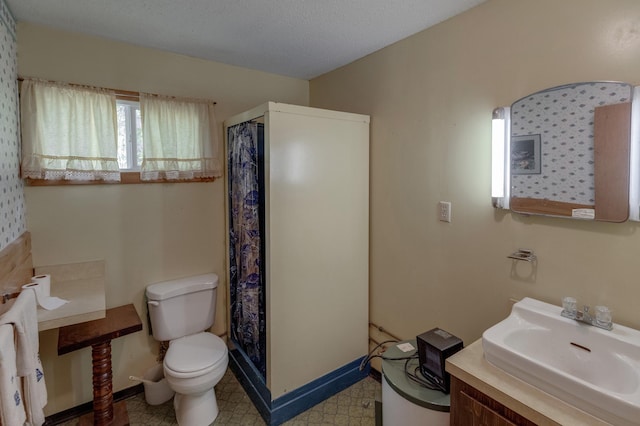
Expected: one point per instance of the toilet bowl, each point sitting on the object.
(196, 360)
(193, 365)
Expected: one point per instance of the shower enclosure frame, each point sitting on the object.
(316, 183)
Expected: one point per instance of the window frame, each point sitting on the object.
(131, 107)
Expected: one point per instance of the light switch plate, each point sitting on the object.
(444, 211)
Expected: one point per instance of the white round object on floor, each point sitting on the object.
(397, 410)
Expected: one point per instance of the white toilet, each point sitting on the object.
(182, 311)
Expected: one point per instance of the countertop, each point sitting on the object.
(470, 366)
(82, 284)
(86, 303)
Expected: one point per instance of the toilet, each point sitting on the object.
(182, 311)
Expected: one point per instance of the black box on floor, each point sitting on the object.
(434, 347)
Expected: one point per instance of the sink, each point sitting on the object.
(595, 370)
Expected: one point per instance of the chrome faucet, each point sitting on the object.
(601, 320)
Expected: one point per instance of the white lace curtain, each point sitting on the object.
(68, 132)
(180, 138)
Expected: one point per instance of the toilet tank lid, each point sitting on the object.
(166, 289)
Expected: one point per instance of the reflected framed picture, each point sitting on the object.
(525, 155)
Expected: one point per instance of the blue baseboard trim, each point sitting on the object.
(295, 402)
(305, 397)
(251, 380)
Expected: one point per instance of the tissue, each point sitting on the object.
(47, 302)
(45, 284)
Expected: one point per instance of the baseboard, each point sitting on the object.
(376, 375)
(251, 381)
(297, 401)
(305, 397)
(87, 407)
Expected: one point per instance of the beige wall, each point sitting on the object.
(430, 98)
(145, 233)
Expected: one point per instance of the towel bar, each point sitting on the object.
(523, 254)
(8, 296)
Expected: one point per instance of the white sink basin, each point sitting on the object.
(595, 370)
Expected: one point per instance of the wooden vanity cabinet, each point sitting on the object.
(470, 407)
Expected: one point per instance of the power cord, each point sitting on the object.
(371, 355)
(421, 380)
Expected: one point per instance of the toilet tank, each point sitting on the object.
(182, 307)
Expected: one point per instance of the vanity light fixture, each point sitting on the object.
(500, 153)
(634, 154)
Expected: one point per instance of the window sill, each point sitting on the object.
(125, 179)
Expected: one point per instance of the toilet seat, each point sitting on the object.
(195, 355)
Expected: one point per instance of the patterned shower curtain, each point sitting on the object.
(246, 277)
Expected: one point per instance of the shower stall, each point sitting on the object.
(298, 253)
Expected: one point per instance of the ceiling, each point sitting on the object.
(295, 38)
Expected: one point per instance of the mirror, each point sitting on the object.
(569, 153)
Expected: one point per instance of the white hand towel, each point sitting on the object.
(35, 393)
(23, 315)
(11, 403)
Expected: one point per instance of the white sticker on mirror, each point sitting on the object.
(583, 213)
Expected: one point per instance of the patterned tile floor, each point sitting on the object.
(353, 406)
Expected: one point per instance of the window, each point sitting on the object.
(86, 134)
(130, 147)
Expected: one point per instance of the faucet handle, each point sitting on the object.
(603, 316)
(569, 307)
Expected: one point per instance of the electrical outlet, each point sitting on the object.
(444, 211)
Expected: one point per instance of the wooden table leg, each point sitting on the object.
(98, 334)
(103, 407)
(102, 384)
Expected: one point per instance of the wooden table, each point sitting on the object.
(98, 334)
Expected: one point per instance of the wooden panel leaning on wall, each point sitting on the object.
(16, 264)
